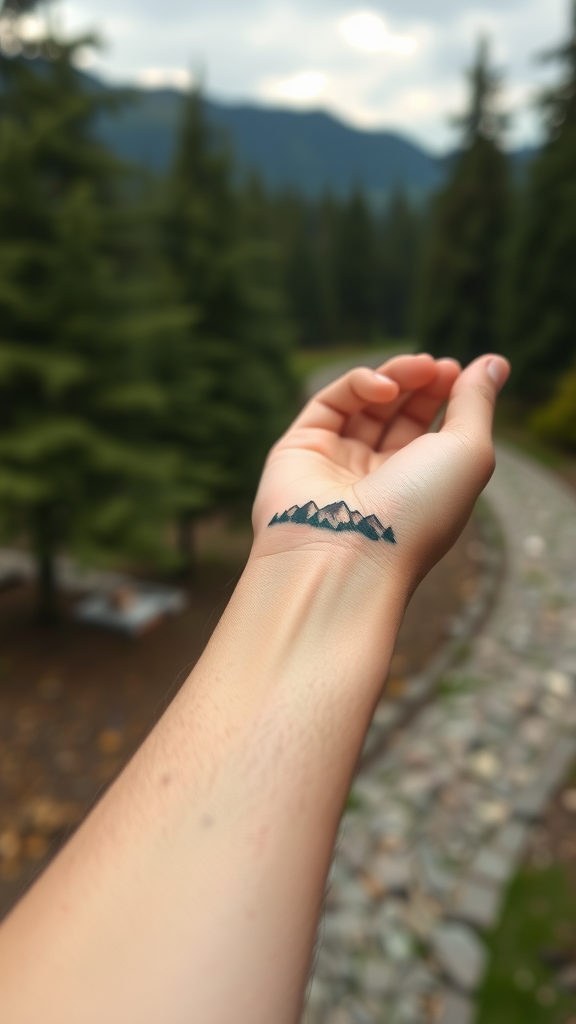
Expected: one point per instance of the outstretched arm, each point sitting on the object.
(192, 891)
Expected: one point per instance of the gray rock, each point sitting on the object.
(407, 1011)
(416, 689)
(461, 954)
(391, 871)
(344, 926)
(484, 764)
(559, 760)
(354, 846)
(370, 791)
(416, 787)
(419, 979)
(362, 1012)
(422, 914)
(434, 878)
(493, 812)
(391, 911)
(493, 865)
(397, 945)
(419, 753)
(392, 821)
(561, 684)
(339, 1015)
(512, 838)
(535, 732)
(459, 734)
(334, 965)
(378, 978)
(531, 804)
(456, 1010)
(501, 712)
(477, 903)
(387, 715)
(348, 893)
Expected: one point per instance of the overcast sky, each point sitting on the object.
(397, 64)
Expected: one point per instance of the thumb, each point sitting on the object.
(471, 403)
(470, 408)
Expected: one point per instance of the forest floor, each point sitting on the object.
(76, 701)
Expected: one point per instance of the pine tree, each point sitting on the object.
(458, 305)
(305, 234)
(541, 309)
(79, 467)
(400, 231)
(355, 269)
(232, 389)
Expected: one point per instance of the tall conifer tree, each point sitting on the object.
(355, 269)
(302, 269)
(400, 231)
(305, 231)
(541, 313)
(232, 389)
(78, 465)
(460, 283)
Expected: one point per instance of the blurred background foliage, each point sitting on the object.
(152, 324)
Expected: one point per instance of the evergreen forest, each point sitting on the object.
(149, 323)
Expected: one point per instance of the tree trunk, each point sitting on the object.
(46, 604)
(46, 608)
(187, 547)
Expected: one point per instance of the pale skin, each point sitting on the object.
(192, 891)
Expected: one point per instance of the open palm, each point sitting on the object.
(351, 428)
(365, 440)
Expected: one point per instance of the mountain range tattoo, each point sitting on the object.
(336, 517)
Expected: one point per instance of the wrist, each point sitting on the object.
(333, 603)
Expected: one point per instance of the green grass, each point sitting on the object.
(519, 988)
(454, 685)
(353, 802)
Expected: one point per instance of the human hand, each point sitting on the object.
(364, 440)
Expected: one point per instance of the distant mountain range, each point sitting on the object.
(336, 516)
(311, 152)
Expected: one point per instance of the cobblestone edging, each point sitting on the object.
(393, 713)
(442, 816)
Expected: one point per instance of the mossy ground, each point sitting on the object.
(538, 925)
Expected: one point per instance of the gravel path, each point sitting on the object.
(440, 820)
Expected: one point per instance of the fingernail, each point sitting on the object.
(382, 376)
(499, 370)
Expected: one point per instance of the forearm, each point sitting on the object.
(193, 889)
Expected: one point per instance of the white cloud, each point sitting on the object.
(261, 49)
(367, 31)
(308, 85)
(161, 78)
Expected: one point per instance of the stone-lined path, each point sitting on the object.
(440, 820)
